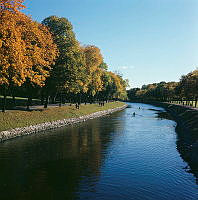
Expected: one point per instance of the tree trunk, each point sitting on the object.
(60, 104)
(14, 100)
(29, 103)
(196, 98)
(4, 104)
(46, 101)
(53, 99)
(4, 100)
(79, 99)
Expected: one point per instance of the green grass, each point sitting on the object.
(16, 119)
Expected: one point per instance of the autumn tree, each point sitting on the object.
(103, 66)
(119, 86)
(93, 57)
(26, 48)
(47, 59)
(11, 5)
(94, 70)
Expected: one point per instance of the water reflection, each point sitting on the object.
(186, 145)
(188, 149)
(111, 158)
(52, 165)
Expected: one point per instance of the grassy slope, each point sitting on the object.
(16, 119)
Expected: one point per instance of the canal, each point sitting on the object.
(116, 157)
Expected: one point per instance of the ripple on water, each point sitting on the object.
(115, 157)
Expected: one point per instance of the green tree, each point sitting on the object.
(188, 87)
(68, 73)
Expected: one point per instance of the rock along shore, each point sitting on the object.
(187, 132)
(13, 133)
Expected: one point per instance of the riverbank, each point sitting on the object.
(187, 131)
(186, 117)
(19, 123)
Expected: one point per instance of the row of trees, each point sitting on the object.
(45, 60)
(185, 91)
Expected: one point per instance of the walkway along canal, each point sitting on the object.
(116, 157)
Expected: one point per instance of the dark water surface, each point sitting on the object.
(117, 157)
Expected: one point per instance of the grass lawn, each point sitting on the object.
(16, 119)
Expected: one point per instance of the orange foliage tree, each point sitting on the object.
(27, 50)
(12, 5)
(33, 55)
(93, 59)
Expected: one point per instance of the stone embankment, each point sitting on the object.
(5, 135)
(187, 130)
(186, 117)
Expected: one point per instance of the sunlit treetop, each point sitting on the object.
(27, 50)
(12, 5)
(93, 57)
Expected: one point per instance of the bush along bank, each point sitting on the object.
(187, 132)
(16, 132)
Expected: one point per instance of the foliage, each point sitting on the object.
(155, 92)
(11, 5)
(184, 91)
(103, 66)
(68, 72)
(46, 61)
(188, 85)
(27, 50)
(93, 59)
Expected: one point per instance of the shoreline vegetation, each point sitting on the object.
(19, 123)
(184, 92)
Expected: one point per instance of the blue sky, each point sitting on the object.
(146, 40)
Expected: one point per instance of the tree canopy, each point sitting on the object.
(68, 72)
(184, 90)
(46, 60)
(27, 49)
(11, 5)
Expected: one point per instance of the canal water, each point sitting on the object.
(116, 157)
